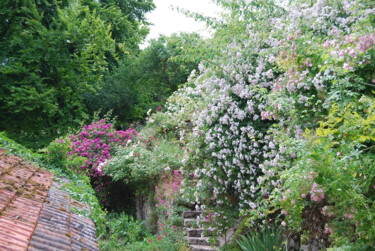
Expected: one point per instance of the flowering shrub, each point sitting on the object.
(141, 163)
(334, 174)
(95, 143)
(167, 193)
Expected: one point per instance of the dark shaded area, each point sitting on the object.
(121, 198)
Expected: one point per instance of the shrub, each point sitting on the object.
(95, 143)
(334, 174)
(267, 239)
(122, 230)
(125, 233)
(141, 163)
(56, 156)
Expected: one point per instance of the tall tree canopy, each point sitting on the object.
(54, 53)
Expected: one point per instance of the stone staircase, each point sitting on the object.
(194, 232)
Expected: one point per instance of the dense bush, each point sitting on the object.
(86, 153)
(267, 239)
(128, 234)
(334, 174)
(123, 229)
(95, 143)
(142, 162)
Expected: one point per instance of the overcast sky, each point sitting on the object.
(167, 21)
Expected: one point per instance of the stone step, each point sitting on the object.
(203, 248)
(202, 241)
(198, 232)
(191, 214)
(194, 232)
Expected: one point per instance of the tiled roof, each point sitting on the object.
(35, 214)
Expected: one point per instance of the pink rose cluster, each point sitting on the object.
(177, 180)
(316, 193)
(366, 42)
(95, 142)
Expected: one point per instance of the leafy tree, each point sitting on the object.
(52, 56)
(128, 24)
(145, 81)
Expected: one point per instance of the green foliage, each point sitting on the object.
(167, 239)
(145, 80)
(135, 10)
(123, 229)
(125, 233)
(42, 62)
(153, 244)
(267, 239)
(56, 156)
(14, 148)
(128, 23)
(338, 158)
(351, 247)
(140, 164)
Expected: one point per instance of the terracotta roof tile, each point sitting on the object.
(36, 215)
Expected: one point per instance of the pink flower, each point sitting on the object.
(349, 216)
(303, 195)
(324, 210)
(316, 194)
(346, 66)
(366, 42)
(267, 115)
(328, 230)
